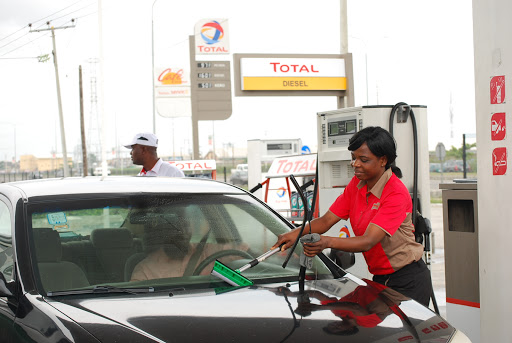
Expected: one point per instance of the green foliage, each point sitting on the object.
(456, 153)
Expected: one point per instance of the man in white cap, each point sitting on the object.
(143, 153)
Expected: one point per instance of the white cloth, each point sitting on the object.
(162, 169)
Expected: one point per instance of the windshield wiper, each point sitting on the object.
(103, 289)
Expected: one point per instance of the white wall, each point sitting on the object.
(493, 53)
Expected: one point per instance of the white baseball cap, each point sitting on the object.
(145, 138)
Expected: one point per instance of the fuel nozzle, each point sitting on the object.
(402, 113)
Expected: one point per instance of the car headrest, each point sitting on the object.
(48, 247)
(111, 238)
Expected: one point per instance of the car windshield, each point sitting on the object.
(156, 241)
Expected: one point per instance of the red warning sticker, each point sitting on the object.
(498, 90)
(499, 161)
(498, 126)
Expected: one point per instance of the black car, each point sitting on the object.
(130, 259)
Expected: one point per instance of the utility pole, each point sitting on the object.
(82, 125)
(61, 116)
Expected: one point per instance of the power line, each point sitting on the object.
(19, 58)
(47, 22)
(19, 47)
(1, 39)
(65, 8)
(15, 39)
(15, 32)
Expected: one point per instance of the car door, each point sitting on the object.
(7, 314)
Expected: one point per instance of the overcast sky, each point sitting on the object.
(418, 52)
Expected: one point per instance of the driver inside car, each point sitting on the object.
(170, 253)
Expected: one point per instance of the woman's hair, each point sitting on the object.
(380, 142)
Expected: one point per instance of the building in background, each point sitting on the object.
(29, 163)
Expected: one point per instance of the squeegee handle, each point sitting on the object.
(259, 259)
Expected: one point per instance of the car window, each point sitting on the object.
(156, 240)
(7, 263)
(5, 220)
(80, 221)
(6, 251)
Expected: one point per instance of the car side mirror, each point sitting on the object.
(4, 290)
(343, 259)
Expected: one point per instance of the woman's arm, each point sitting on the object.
(371, 237)
(319, 225)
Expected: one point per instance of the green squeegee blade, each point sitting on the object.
(227, 274)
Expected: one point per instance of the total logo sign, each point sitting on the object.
(212, 37)
(344, 232)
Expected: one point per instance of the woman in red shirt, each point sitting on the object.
(379, 207)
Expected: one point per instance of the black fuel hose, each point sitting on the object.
(415, 142)
(315, 196)
(304, 201)
(415, 177)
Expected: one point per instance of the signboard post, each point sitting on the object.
(440, 151)
(441, 154)
(210, 92)
(212, 84)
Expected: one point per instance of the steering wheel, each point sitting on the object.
(217, 255)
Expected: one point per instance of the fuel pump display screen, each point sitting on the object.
(279, 146)
(340, 131)
(334, 129)
(350, 126)
(342, 127)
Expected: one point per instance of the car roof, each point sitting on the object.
(116, 185)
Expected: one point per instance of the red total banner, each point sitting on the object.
(195, 165)
(299, 165)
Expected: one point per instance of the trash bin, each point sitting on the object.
(461, 257)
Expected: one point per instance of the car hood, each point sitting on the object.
(270, 313)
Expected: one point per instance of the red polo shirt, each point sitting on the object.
(389, 206)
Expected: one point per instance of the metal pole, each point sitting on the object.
(14, 147)
(343, 42)
(104, 166)
(343, 27)
(153, 65)
(366, 72)
(195, 125)
(464, 154)
(61, 116)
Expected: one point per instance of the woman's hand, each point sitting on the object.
(312, 249)
(287, 239)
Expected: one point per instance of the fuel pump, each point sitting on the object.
(335, 128)
(262, 152)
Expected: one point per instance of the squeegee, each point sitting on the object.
(234, 277)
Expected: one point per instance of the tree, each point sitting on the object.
(456, 153)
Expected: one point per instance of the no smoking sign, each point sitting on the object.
(499, 161)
